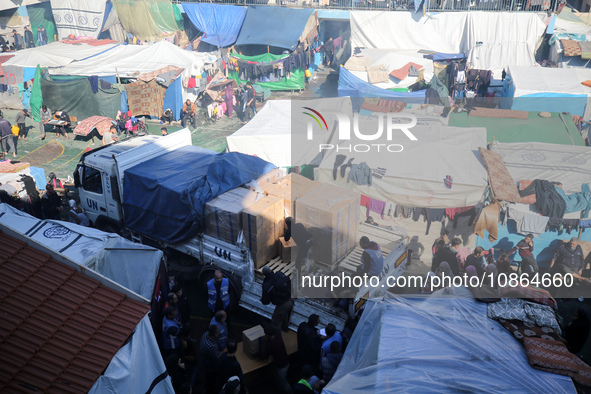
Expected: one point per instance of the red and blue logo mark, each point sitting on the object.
(315, 118)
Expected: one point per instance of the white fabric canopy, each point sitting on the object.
(437, 345)
(393, 60)
(78, 17)
(415, 176)
(132, 60)
(56, 54)
(566, 164)
(129, 264)
(531, 80)
(490, 40)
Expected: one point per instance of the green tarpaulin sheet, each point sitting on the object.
(296, 82)
(149, 19)
(41, 15)
(533, 129)
(36, 96)
(77, 99)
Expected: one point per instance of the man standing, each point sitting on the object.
(218, 293)
(7, 137)
(171, 333)
(276, 349)
(29, 40)
(43, 40)
(303, 239)
(220, 320)
(570, 258)
(52, 203)
(189, 113)
(277, 290)
(250, 107)
(210, 359)
(526, 248)
(229, 366)
(18, 40)
(20, 122)
(309, 341)
(332, 335)
(45, 117)
(372, 259)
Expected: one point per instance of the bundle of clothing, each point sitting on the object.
(551, 201)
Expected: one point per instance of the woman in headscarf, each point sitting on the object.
(490, 274)
(444, 270)
(229, 98)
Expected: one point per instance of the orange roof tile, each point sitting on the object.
(60, 328)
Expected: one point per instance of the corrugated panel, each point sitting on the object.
(60, 328)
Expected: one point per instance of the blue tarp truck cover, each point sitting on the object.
(164, 197)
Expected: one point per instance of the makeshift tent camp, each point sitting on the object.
(572, 30)
(296, 80)
(413, 172)
(41, 15)
(548, 89)
(149, 19)
(218, 85)
(262, 23)
(473, 33)
(219, 23)
(57, 54)
(556, 129)
(353, 86)
(101, 124)
(436, 345)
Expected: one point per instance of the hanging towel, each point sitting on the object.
(533, 224)
(93, 83)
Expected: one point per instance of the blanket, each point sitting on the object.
(503, 185)
(570, 47)
(145, 98)
(498, 113)
(527, 312)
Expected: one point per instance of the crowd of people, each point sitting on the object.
(23, 41)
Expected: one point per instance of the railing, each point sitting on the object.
(402, 5)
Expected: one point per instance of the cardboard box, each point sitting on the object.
(268, 180)
(254, 341)
(329, 213)
(261, 223)
(287, 250)
(223, 214)
(290, 188)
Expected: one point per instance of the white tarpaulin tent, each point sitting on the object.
(549, 89)
(132, 265)
(490, 40)
(269, 134)
(415, 175)
(566, 164)
(129, 61)
(56, 54)
(437, 345)
(394, 60)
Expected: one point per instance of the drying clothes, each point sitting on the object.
(452, 212)
(105, 85)
(379, 172)
(93, 83)
(365, 203)
(418, 212)
(555, 222)
(340, 159)
(376, 206)
(390, 208)
(527, 312)
(549, 202)
(434, 215)
(192, 83)
(345, 166)
(585, 223)
(574, 202)
(533, 224)
(402, 210)
(360, 174)
(488, 220)
(570, 225)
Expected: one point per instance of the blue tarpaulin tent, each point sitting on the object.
(351, 86)
(220, 23)
(262, 24)
(165, 196)
(173, 98)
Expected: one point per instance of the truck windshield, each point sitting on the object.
(92, 181)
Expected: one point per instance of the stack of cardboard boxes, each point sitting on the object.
(263, 224)
(290, 188)
(223, 214)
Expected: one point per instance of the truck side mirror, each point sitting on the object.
(77, 176)
(114, 188)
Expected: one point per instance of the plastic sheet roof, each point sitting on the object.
(263, 24)
(56, 54)
(60, 328)
(220, 23)
(437, 345)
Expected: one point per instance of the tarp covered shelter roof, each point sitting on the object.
(102, 124)
(262, 24)
(533, 129)
(129, 61)
(221, 23)
(437, 345)
(56, 54)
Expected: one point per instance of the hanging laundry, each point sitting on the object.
(533, 224)
(585, 223)
(389, 208)
(379, 172)
(452, 212)
(360, 174)
(192, 83)
(570, 224)
(345, 166)
(364, 202)
(402, 210)
(376, 206)
(93, 79)
(340, 159)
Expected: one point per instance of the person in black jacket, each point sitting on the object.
(303, 386)
(303, 239)
(447, 254)
(475, 259)
(29, 40)
(277, 291)
(309, 341)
